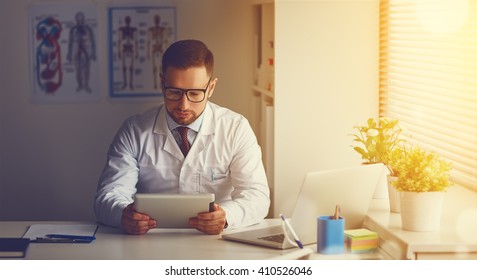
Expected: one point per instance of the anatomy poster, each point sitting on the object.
(138, 37)
(63, 52)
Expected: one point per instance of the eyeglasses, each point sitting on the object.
(193, 95)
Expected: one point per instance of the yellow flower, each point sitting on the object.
(372, 133)
(422, 171)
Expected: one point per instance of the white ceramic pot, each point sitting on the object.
(421, 211)
(394, 195)
(381, 191)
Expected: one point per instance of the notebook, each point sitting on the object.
(13, 247)
(351, 188)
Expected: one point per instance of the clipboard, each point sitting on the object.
(61, 233)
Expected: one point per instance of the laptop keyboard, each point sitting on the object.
(279, 238)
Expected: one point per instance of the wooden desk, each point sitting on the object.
(456, 239)
(159, 244)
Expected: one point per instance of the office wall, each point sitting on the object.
(51, 155)
(326, 81)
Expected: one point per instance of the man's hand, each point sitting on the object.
(136, 223)
(210, 222)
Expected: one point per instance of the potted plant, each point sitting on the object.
(376, 142)
(423, 177)
(392, 160)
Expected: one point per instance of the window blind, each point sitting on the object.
(428, 77)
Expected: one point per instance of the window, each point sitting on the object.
(428, 77)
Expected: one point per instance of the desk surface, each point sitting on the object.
(113, 244)
(457, 238)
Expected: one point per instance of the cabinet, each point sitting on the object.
(324, 82)
(263, 83)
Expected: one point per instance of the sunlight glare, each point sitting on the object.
(442, 16)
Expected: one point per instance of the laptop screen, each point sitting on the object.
(351, 188)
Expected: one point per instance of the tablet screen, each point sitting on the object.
(173, 210)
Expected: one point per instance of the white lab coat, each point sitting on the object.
(224, 159)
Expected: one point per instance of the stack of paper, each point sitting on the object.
(361, 240)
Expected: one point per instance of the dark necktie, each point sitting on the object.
(185, 145)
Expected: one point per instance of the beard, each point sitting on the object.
(183, 117)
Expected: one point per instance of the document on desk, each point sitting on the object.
(61, 233)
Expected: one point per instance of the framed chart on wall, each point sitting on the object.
(138, 37)
(63, 47)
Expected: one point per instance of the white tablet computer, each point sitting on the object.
(173, 210)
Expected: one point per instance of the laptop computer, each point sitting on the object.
(351, 188)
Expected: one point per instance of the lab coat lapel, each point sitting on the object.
(162, 130)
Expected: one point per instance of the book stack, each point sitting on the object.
(361, 240)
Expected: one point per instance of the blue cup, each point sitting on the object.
(330, 235)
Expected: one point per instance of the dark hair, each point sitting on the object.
(186, 54)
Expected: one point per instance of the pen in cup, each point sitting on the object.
(289, 227)
(337, 214)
